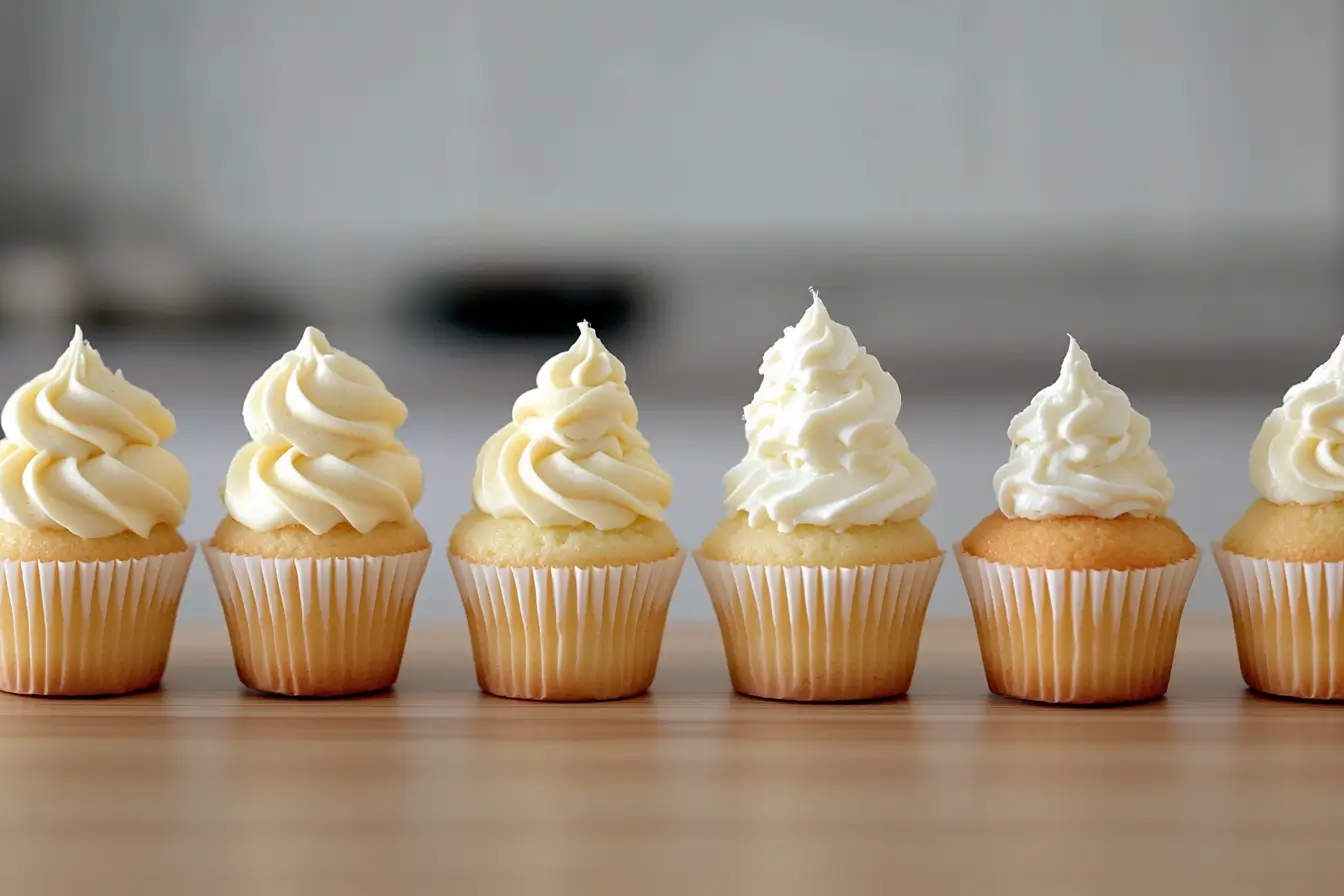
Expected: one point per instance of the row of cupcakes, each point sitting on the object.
(820, 574)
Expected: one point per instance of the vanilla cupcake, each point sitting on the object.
(1077, 582)
(90, 502)
(1283, 561)
(822, 572)
(566, 567)
(318, 561)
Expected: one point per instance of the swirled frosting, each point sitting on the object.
(324, 450)
(823, 448)
(1080, 449)
(573, 454)
(1298, 458)
(82, 453)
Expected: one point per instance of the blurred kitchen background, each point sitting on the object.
(447, 187)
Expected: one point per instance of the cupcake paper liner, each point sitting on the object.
(1077, 636)
(820, 634)
(1289, 623)
(324, 627)
(566, 633)
(85, 629)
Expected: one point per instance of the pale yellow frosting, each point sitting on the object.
(823, 448)
(82, 453)
(573, 454)
(1080, 449)
(1298, 458)
(324, 449)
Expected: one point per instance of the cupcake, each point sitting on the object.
(319, 558)
(1283, 561)
(565, 565)
(90, 503)
(822, 572)
(1078, 580)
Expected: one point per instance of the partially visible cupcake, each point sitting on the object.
(822, 572)
(318, 561)
(1283, 561)
(91, 560)
(1078, 581)
(565, 565)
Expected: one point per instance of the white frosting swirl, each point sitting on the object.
(1080, 449)
(573, 454)
(823, 448)
(82, 453)
(1298, 458)
(324, 450)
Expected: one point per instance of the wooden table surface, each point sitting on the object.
(434, 788)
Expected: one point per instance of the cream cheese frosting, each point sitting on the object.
(82, 453)
(1080, 449)
(573, 454)
(324, 450)
(823, 448)
(1298, 458)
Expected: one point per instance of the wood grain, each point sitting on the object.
(203, 788)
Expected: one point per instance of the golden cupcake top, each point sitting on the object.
(83, 453)
(1298, 458)
(823, 448)
(1080, 449)
(324, 450)
(573, 454)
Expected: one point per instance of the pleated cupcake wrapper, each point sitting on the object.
(566, 633)
(817, 633)
(323, 627)
(1289, 623)
(1077, 636)
(83, 629)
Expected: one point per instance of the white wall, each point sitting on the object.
(334, 137)
(413, 116)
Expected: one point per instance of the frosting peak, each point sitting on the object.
(79, 408)
(321, 401)
(324, 449)
(573, 454)
(82, 452)
(1298, 458)
(823, 448)
(1080, 449)
(586, 364)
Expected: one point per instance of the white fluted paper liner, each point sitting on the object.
(1289, 623)
(817, 633)
(1077, 636)
(324, 627)
(566, 633)
(85, 628)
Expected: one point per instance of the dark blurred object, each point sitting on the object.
(222, 308)
(39, 283)
(529, 302)
(133, 271)
(41, 278)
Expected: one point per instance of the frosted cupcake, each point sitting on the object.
(822, 572)
(90, 502)
(318, 561)
(1283, 561)
(565, 565)
(1077, 582)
